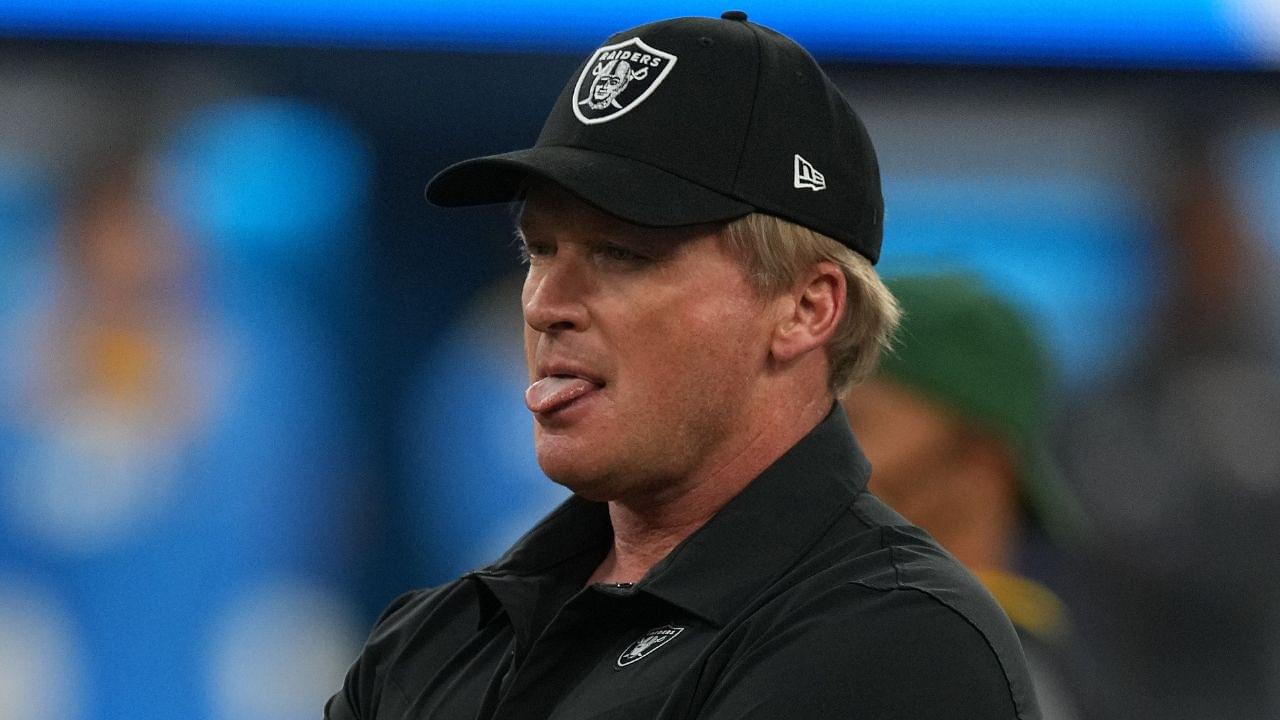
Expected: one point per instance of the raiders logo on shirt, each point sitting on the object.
(647, 644)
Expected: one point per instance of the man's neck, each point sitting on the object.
(646, 531)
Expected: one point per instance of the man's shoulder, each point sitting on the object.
(880, 590)
(453, 603)
(876, 617)
(375, 681)
(877, 548)
(877, 551)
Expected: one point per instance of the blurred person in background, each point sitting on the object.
(103, 398)
(173, 456)
(685, 345)
(1176, 463)
(954, 424)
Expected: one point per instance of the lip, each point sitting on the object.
(564, 368)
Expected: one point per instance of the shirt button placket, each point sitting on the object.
(566, 649)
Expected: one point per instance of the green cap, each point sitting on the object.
(963, 347)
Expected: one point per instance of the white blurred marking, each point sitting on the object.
(40, 656)
(280, 651)
(88, 484)
(1258, 22)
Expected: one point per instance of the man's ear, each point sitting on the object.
(810, 312)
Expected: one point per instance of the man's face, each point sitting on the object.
(642, 344)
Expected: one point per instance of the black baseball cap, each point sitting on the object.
(696, 120)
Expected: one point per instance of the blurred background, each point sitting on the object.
(252, 386)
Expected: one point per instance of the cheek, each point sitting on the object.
(704, 346)
(530, 348)
(730, 330)
(529, 334)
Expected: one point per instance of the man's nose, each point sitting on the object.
(555, 295)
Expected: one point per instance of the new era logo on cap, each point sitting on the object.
(807, 176)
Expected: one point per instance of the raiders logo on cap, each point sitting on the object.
(617, 78)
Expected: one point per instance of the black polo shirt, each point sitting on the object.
(804, 597)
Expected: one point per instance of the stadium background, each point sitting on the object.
(252, 386)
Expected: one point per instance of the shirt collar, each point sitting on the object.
(767, 527)
(550, 562)
(753, 539)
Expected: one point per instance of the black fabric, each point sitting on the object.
(718, 137)
(641, 193)
(804, 597)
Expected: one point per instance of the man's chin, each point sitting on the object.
(586, 476)
(575, 478)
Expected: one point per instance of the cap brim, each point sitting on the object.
(632, 190)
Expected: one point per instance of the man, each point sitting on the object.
(953, 422)
(699, 292)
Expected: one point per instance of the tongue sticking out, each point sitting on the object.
(553, 392)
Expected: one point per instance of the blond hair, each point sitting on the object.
(778, 252)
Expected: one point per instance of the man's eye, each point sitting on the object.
(532, 251)
(621, 254)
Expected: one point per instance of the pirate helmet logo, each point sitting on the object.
(651, 641)
(617, 78)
